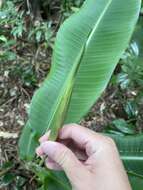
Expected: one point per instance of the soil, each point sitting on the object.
(14, 103)
(15, 96)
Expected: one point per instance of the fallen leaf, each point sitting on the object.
(7, 135)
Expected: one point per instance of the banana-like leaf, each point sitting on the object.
(88, 47)
(131, 152)
(136, 182)
(50, 180)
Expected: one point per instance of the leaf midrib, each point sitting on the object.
(98, 22)
(74, 70)
(130, 158)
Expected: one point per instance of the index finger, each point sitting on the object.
(83, 137)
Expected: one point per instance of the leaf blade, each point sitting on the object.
(87, 49)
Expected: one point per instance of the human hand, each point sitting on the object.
(89, 159)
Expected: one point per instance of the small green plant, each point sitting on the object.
(7, 51)
(128, 80)
(42, 32)
(11, 19)
(11, 23)
(9, 178)
(22, 40)
(70, 6)
(88, 47)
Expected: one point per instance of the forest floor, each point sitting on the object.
(15, 100)
(18, 81)
(13, 114)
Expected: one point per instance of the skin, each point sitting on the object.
(90, 160)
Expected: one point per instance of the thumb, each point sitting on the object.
(65, 158)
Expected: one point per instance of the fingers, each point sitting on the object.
(83, 137)
(88, 144)
(63, 157)
(39, 152)
(49, 162)
(52, 165)
(44, 138)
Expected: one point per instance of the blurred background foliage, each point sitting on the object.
(27, 34)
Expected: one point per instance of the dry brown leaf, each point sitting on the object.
(1, 2)
(7, 135)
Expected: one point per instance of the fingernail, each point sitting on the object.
(52, 165)
(49, 147)
(45, 137)
(39, 151)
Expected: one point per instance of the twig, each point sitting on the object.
(25, 92)
(1, 3)
(8, 101)
(135, 174)
(34, 60)
(28, 6)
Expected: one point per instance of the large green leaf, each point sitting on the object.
(88, 46)
(131, 151)
(52, 180)
(136, 182)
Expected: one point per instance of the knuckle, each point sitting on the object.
(69, 127)
(109, 142)
(63, 157)
(74, 125)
